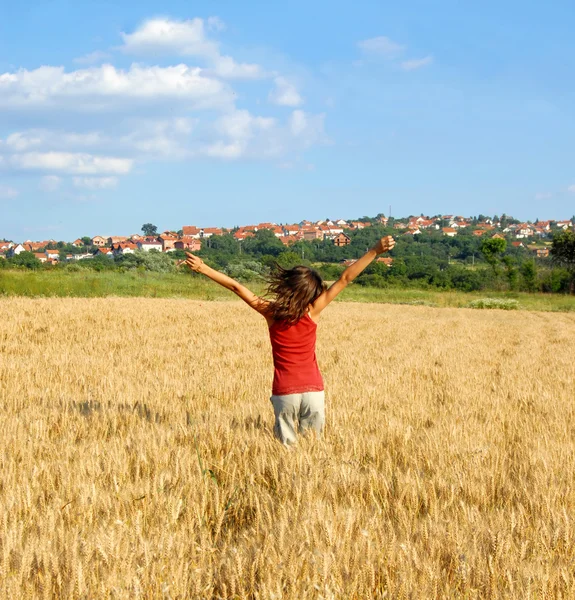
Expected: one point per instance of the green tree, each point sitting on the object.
(149, 229)
(511, 271)
(87, 241)
(529, 274)
(25, 259)
(563, 253)
(263, 242)
(492, 249)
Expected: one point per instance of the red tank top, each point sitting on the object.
(295, 364)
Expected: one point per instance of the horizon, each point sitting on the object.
(230, 229)
(229, 116)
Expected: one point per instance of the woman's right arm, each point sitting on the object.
(385, 244)
(199, 266)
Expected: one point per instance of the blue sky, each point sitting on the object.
(225, 113)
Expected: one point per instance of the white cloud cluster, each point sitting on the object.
(571, 188)
(66, 162)
(187, 38)
(383, 47)
(117, 117)
(285, 93)
(107, 88)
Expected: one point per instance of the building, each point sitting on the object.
(190, 244)
(168, 242)
(149, 244)
(341, 239)
(124, 248)
(98, 241)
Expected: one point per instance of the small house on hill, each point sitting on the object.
(341, 239)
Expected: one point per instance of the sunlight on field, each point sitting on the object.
(137, 457)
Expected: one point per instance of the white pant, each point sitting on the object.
(307, 409)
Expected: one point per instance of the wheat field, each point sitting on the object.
(137, 456)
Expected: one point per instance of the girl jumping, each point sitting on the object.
(297, 298)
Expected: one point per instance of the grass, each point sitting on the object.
(138, 461)
(90, 284)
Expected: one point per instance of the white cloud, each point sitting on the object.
(50, 183)
(224, 150)
(285, 93)
(227, 68)
(22, 141)
(571, 188)
(68, 162)
(416, 63)
(242, 125)
(167, 36)
(381, 46)
(106, 88)
(308, 129)
(95, 182)
(92, 58)
(8, 193)
(187, 38)
(215, 24)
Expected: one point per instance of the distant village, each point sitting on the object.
(337, 232)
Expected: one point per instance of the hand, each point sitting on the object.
(385, 244)
(194, 262)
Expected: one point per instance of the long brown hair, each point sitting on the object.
(292, 291)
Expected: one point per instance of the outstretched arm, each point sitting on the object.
(199, 266)
(385, 244)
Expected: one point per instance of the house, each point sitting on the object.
(563, 224)
(386, 260)
(191, 231)
(117, 239)
(348, 261)
(52, 254)
(41, 256)
(341, 223)
(288, 240)
(78, 243)
(478, 232)
(191, 244)
(449, 231)
(291, 229)
(412, 232)
(122, 248)
(207, 232)
(35, 246)
(15, 250)
(103, 252)
(383, 220)
(518, 244)
(312, 233)
(168, 242)
(148, 244)
(98, 241)
(242, 234)
(341, 239)
(135, 237)
(539, 252)
(524, 230)
(498, 236)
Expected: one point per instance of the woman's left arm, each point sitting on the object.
(199, 266)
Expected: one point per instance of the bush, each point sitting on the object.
(501, 303)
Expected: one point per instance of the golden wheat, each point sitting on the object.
(137, 459)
